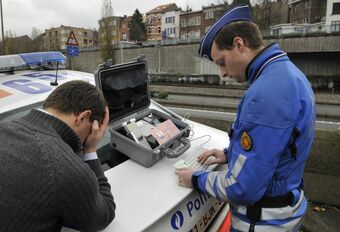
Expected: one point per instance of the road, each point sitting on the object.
(227, 116)
(221, 104)
(323, 111)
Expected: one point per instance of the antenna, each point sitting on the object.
(55, 82)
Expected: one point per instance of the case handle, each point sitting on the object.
(180, 146)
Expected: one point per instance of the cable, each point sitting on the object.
(191, 125)
(209, 138)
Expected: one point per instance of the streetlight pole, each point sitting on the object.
(121, 52)
(159, 59)
(2, 30)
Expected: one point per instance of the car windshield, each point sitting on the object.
(32, 61)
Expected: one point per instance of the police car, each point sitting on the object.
(148, 199)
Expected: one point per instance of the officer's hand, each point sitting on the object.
(184, 177)
(96, 134)
(219, 157)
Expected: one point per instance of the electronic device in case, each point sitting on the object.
(132, 121)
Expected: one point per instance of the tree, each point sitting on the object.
(261, 13)
(137, 29)
(240, 2)
(9, 42)
(35, 32)
(105, 31)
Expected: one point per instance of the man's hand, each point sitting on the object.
(184, 176)
(96, 134)
(219, 155)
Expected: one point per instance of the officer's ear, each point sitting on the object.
(239, 44)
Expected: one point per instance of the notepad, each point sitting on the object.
(164, 131)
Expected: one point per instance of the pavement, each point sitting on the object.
(322, 173)
(320, 217)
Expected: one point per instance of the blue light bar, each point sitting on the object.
(42, 57)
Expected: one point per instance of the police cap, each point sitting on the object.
(238, 13)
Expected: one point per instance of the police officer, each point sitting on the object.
(271, 136)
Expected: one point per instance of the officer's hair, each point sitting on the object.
(76, 97)
(248, 31)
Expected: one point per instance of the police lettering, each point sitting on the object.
(44, 76)
(197, 203)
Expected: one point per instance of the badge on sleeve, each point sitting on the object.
(246, 142)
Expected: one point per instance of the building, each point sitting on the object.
(39, 43)
(170, 24)
(110, 27)
(304, 16)
(333, 16)
(124, 23)
(15, 45)
(194, 24)
(307, 11)
(56, 38)
(279, 12)
(154, 21)
(191, 25)
(211, 14)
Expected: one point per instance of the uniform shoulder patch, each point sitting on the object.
(246, 141)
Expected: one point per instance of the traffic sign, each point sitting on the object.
(72, 40)
(72, 50)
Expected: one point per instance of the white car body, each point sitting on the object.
(147, 199)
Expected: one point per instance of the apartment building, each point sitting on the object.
(124, 27)
(278, 12)
(333, 16)
(307, 11)
(304, 16)
(211, 14)
(194, 24)
(110, 26)
(154, 21)
(56, 38)
(14, 45)
(170, 24)
(191, 25)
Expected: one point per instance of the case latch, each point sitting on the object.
(106, 64)
(141, 58)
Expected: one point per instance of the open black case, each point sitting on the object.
(126, 90)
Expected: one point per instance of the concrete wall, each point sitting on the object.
(309, 44)
(314, 55)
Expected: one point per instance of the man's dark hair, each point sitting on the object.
(248, 31)
(76, 97)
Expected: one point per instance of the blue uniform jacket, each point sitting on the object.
(260, 162)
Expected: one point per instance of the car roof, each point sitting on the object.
(29, 88)
(24, 88)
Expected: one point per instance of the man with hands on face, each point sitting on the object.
(272, 134)
(50, 174)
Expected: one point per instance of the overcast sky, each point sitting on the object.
(20, 16)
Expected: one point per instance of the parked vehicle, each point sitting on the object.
(147, 199)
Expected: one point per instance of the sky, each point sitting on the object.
(20, 16)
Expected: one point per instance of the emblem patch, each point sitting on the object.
(246, 142)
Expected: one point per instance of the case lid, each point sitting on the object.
(125, 88)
